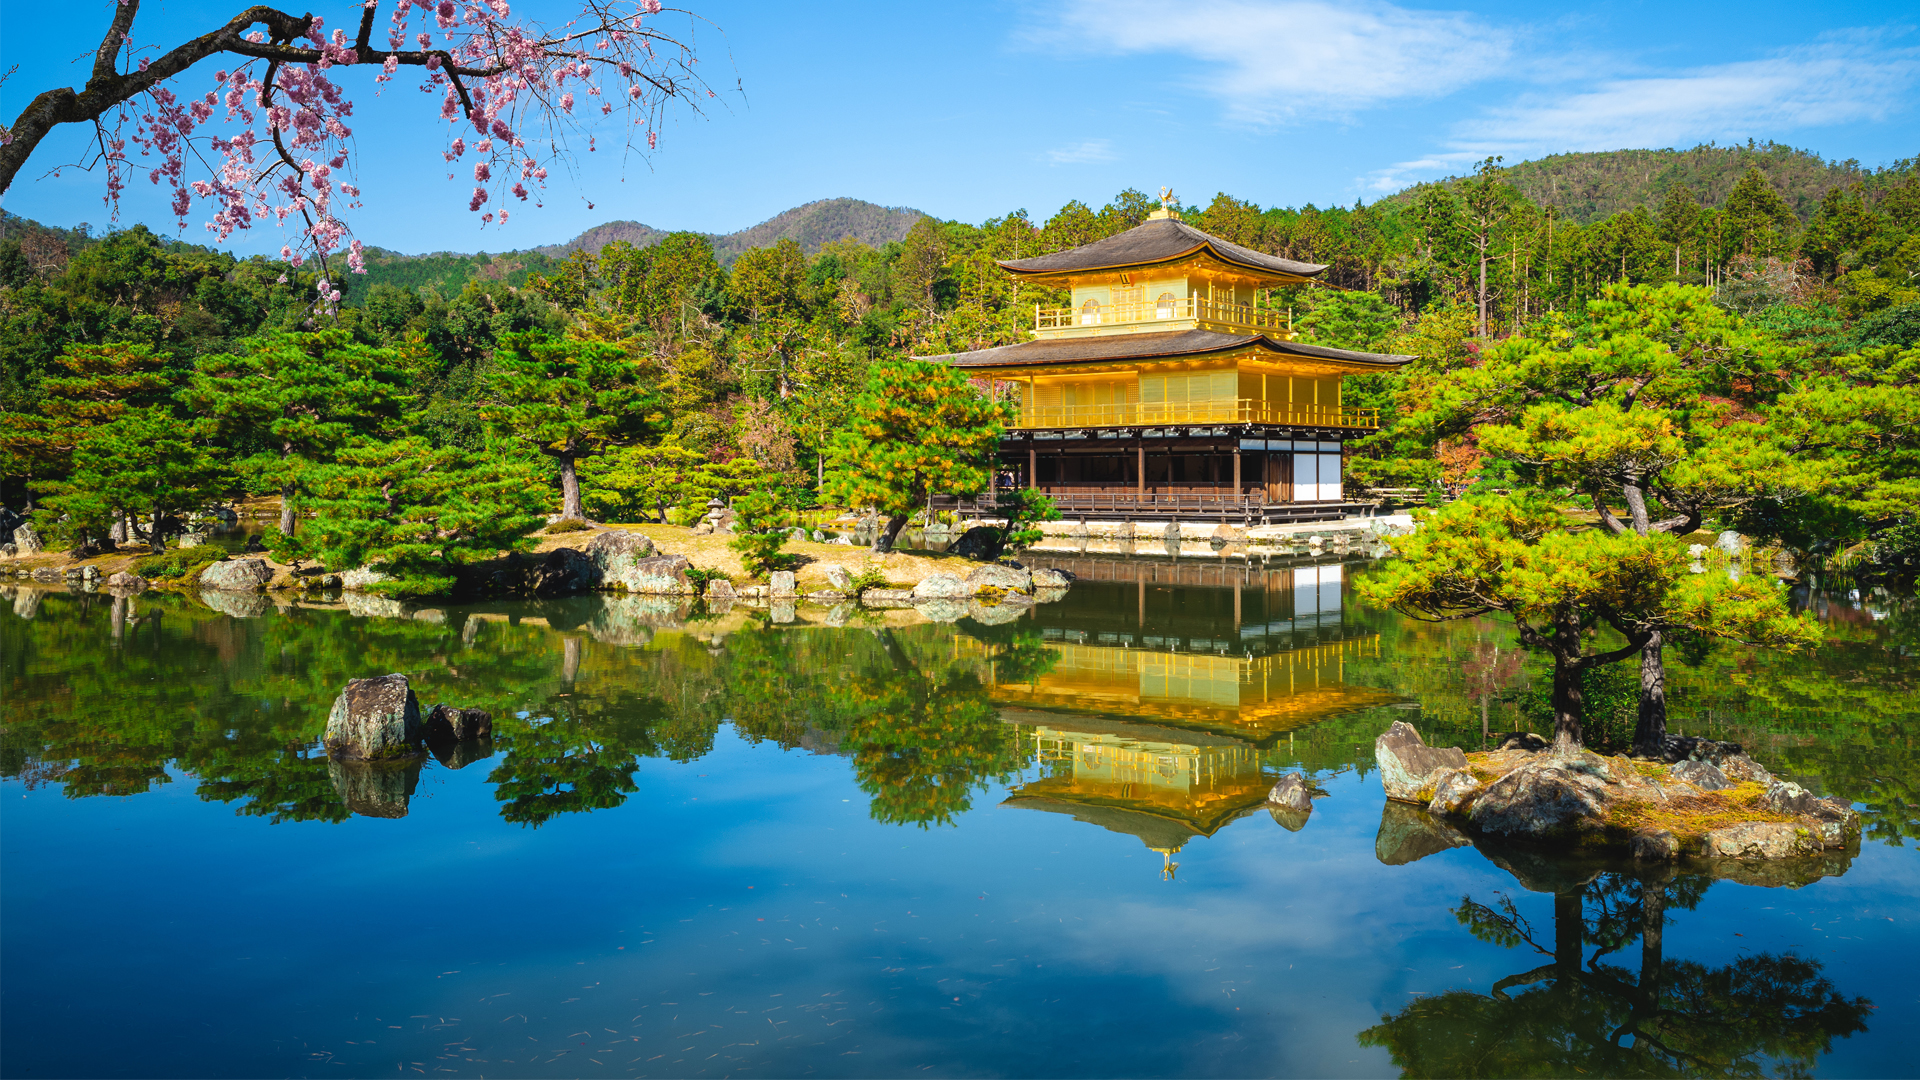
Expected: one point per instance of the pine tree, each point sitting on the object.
(1489, 554)
(144, 460)
(418, 513)
(299, 396)
(567, 399)
(918, 429)
(101, 382)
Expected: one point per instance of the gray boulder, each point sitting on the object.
(720, 590)
(357, 579)
(1453, 790)
(1701, 774)
(46, 573)
(374, 718)
(125, 580)
(1655, 846)
(193, 538)
(615, 553)
(781, 585)
(1408, 766)
(999, 576)
(449, 722)
(661, 575)
(941, 587)
(1291, 793)
(1730, 542)
(1760, 840)
(236, 575)
(1549, 796)
(1052, 579)
(1224, 535)
(839, 578)
(26, 541)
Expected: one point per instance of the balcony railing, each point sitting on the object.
(1265, 320)
(1223, 411)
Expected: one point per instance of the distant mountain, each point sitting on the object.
(1587, 187)
(812, 226)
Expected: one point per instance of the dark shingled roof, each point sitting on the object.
(1079, 350)
(1158, 240)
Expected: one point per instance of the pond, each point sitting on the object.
(705, 844)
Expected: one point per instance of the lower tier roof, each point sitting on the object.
(1103, 347)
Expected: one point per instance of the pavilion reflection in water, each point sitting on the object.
(1155, 718)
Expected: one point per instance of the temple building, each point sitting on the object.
(1168, 389)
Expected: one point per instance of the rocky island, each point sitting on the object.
(1714, 802)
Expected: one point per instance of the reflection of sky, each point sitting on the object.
(164, 935)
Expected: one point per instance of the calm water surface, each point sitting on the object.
(709, 845)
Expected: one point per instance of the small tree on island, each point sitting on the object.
(567, 399)
(1629, 408)
(1515, 555)
(918, 429)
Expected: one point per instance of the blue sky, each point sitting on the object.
(971, 111)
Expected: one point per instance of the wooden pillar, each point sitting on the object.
(1033, 464)
(1140, 458)
(1236, 467)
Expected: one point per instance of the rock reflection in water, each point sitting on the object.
(375, 789)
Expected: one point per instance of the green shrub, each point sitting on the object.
(868, 579)
(178, 563)
(568, 525)
(701, 576)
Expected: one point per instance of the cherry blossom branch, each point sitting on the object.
(508, 79)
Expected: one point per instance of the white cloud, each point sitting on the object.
(1841, 78)
(1270, 60)
(1090, 152)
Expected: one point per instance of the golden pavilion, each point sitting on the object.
(1169, 388)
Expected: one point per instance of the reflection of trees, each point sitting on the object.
(103, 699)
(1581, 1012)
(583, 759)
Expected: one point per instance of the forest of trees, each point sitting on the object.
(760, 360)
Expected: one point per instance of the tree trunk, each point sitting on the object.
(1569, 704)
(120, 533)
(286, 510)
(570, 491)
(1650, 730)
(883, 538)
(1483, 287)
(159, 543)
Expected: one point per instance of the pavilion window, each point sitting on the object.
(1090, 313)
(1163, 307)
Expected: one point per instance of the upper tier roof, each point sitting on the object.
(1114, 347)
(1158, 240)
